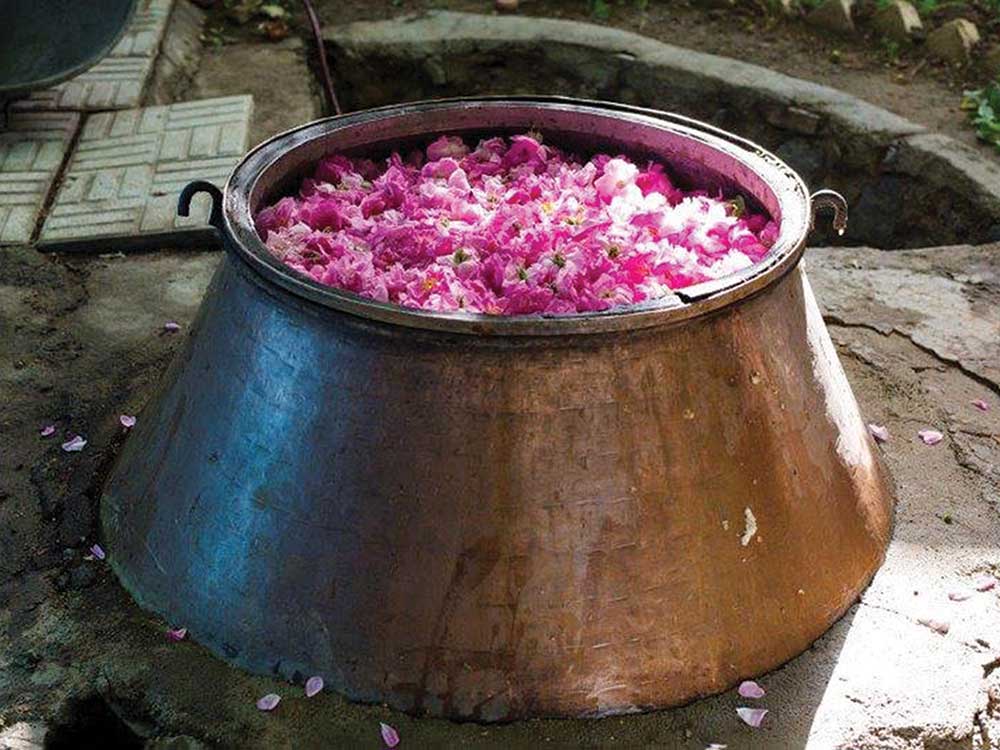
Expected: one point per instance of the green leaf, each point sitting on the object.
(600, 10)
(983, 105)
(272, 11)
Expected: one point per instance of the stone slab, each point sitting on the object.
(145, 32)
(122, 182)
(118, 81)
(32, 149)
(950, 315)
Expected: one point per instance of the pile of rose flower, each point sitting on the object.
(508, 228)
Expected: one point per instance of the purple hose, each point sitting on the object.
(331, 93)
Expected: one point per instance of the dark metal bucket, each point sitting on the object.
(45, 42)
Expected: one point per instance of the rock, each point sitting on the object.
(804, 156)
(914, 293)
(954, 41)
(506, 6)
(949, 11)
(898, 21)
(23, 736)
(796, 119)
(938, 160)
(876, 213)
(989, 62)
(833, 15)
(176, 742)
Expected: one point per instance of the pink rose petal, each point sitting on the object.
(98, 552)
(177, 634)
(269, 702)
(510, 227)
(389, 735)
(127, 421)
(751, 716)
(938, 626)
(879, 432)
(74, 445)
(313, 686)
(959, 595)
(750, 689)
(716, 746)
(930, 437)
(980, 404)
(173, 327)
(984, 583)
(47, 430)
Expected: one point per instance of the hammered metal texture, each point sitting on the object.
(494, 525)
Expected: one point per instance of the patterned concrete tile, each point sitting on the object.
(119, 80)
(32, 149)
(123, 179)
(145, 32)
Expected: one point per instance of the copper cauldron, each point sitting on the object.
(492, 518)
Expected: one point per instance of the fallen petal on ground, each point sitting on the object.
(74, 445)
(750, 689)
(930, 437)
(389, 735)
(984, 583)
(269, 702)
(751, 716)
(879, 432)
(938, 626)
(313, 686)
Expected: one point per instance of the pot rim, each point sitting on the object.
(792, 198)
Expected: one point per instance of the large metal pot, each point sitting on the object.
(491, 518)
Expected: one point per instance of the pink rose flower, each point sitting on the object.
(510, 227)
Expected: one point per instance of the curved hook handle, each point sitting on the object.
(835, 202)
(200, 186)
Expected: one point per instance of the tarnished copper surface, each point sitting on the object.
(562, 520)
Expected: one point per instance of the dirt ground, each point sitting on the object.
(925, 92)
(82, 341)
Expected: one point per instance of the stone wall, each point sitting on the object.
(906, 187)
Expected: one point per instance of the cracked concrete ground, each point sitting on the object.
(82, 341)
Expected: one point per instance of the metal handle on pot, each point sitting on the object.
(201, 186)
(835, 202)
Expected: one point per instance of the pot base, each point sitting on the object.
(494, 528)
